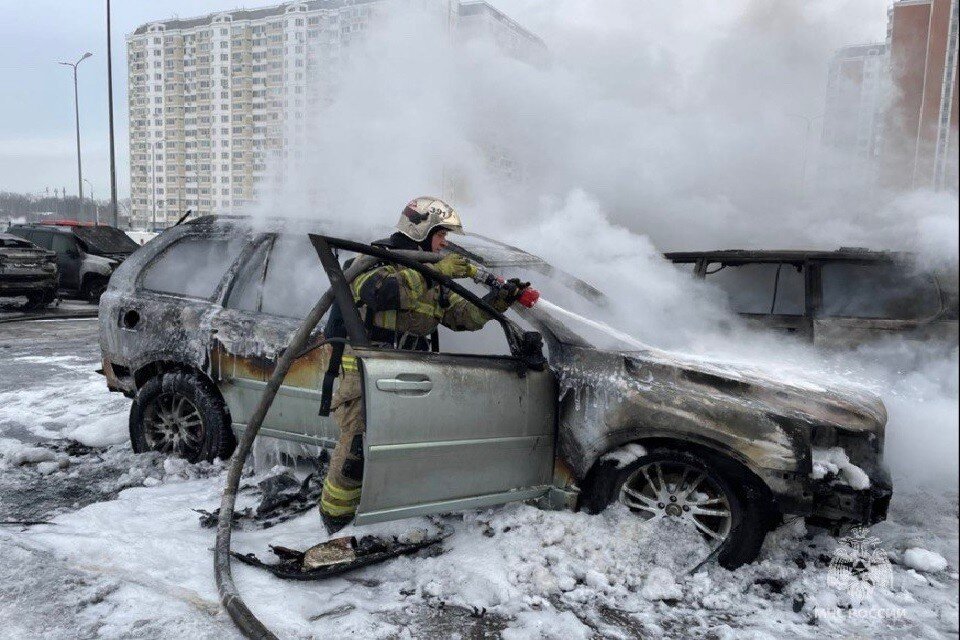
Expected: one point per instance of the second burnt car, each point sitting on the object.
(834, 299)
(192, 326)
(27, 271)
(86, 254)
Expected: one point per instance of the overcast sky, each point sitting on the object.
(37, 144)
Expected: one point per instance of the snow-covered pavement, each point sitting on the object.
(126, 557)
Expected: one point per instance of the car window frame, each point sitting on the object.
(71, 239)
(703, 263)
(247, 254)
(217, 297)
(37, 234)
(818, 310)
(337, 280)
(276, 237)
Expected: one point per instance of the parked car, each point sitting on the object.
(87, 254)
(27, 270)
(840, 298)
(192, 325)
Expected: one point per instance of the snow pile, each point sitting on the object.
(28, 455)
(923, 560)
(834, 462)
(152, 469)
(538, 625)
(661, 585)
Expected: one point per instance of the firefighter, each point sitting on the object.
(400, 308)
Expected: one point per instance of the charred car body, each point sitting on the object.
(840, 298)
(192, 325)
(86, 254)
(27, 270)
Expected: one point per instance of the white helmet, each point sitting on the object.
(424, 214)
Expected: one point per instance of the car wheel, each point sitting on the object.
(40, 300)
(94, 288)
(668, 488)
(181, 414)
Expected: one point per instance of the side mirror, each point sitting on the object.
(531, 350)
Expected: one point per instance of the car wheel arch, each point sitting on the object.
(730, 462)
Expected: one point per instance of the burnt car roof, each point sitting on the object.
(486, 251)
(853, 254)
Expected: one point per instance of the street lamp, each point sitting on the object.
(96, 207)
(76, 108)
(115, 220)
(806, 138)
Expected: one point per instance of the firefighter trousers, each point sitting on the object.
(341, 487)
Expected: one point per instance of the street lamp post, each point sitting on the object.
(76, 109)
(96, 207)
(809, 120)
(115, 220)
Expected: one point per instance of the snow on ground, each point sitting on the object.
(126, 557)
(49, 387)
(530, 573)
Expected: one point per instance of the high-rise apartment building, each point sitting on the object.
(920, 128)
(856, 91)
(215, 100)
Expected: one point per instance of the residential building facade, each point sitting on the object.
(920, 127)
(853, 114)
(216, 100)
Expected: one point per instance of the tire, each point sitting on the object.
(40, 299)
(742, 532)
(93, 288)
(181, 414)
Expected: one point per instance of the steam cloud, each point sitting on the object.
(653, 126)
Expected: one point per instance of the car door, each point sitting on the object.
(768, 295)
(859, 302)
(68, 260)
(274, 289)
(450, 432)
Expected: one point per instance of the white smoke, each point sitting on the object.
(666, 126)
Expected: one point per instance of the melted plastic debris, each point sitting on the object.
(282, 497)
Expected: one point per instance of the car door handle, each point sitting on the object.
(396, 385)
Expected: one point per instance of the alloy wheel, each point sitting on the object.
(671, 490)
(173, 424)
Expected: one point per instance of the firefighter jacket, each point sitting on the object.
(398, 303)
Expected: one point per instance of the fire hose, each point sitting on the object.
(243, 617)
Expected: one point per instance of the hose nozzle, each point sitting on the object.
(528, 296)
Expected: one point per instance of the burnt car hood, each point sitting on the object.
(798, 397)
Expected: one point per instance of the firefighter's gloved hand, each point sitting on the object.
(507, 294)
(455, 266)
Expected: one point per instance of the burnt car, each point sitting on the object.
(841, 298)
(28, 271)
(192, 325)
(86, 254)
